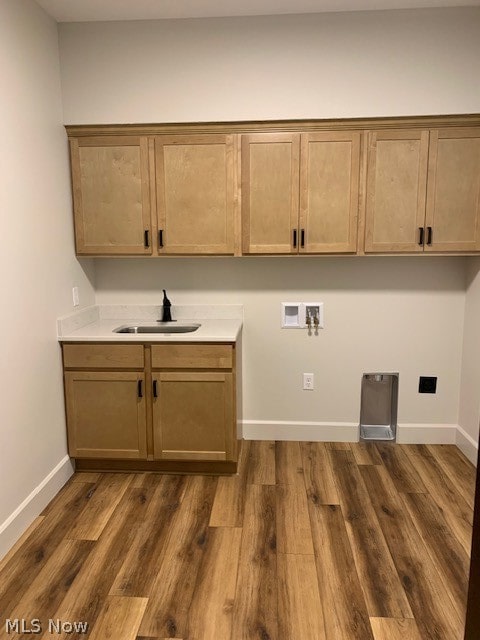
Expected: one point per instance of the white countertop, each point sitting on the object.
(97, 324)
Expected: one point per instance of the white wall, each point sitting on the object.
(381, 314)
(394, 314)
(37, 263)
(469, 416)
(370, 63)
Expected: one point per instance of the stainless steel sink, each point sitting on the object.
(157, 328)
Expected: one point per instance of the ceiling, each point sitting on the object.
(93, 10)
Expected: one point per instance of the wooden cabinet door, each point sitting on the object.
(453, 196)
(329, 185)
(396, 190)
(195, 194)
(106, 414)
(111, 195)
(193, 416)
(270, 183)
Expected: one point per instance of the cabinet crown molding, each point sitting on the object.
(253, 126)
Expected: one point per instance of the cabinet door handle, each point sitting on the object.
(429, 235)
(155, 389)
(146, 238)
(420, 240)
(302, 238)
(139, 389)
(160, 237)
(294, 238)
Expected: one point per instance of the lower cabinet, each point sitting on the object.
(193, 416)
(106, 414)
(171, 406)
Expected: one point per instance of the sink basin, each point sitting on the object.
(157, 328)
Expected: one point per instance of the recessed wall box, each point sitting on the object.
(427, 384)
(302, 315)
(291, 315)
(314, 311)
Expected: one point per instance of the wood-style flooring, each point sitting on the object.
(310, 541)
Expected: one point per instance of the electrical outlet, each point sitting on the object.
(308, 381)
(75, 296)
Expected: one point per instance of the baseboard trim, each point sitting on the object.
(15, 525)
(467, 445)
(407, 433)
(302, 431)
(410, 433)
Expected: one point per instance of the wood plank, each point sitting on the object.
(472, 621)
(338, 446)
(229, 503)
(318, 474)
(41, 544)
(46, 590)
(104, 499)
(400, 468)
(211, 611)
(288, 464)
(456, 511)
(261, 462)
(394, 629)
(300, 613)
(255, 610)
(366, 453)
(119, 619)
(446, 552)
(383, 591)
(433, 609)
(143, 559)
(138, 480)
(86, 596)
(294, 533)
(459, 470)
(82, 476)
(171, 594)
(344, 610)
(20, 542)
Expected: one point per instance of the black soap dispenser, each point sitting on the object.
(167, 315)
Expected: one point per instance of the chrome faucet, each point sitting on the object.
(166, 315)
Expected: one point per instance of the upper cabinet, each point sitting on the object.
(168, 195)
(396, 190)
(407, 185)
(423, 191)
(300, 192)
(195, 194)
(270, 188)
(329, 190)
(453, 191)
(111, 195)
